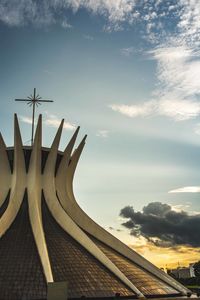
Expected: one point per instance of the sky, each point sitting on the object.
(127, 72)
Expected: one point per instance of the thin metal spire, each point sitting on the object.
(33, 100)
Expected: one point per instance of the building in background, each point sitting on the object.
(183, 272)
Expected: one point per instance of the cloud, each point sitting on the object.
(189, 23)
(45, 12)
(180, 207)
(176, 51)
(167, 257)
(154, 15)
(178, 72)
(26, 120)
(54, 121)
(50, 120)
(197, 128)
(178, 110)
(88, 37)
(159, 224)
(186, 189)
(177, 55)
(127, 51)
(102, 133)
(24, 12)
(143, 110)
(66, 25)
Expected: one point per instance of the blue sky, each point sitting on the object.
(127, 72)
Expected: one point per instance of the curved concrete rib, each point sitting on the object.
(50, 165)
(34, 201)
(64, 186)
(67, 223)
(17, 184)
(63, 167)
(5, 172)
(69, 203)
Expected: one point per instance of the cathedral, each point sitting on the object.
(49, 247)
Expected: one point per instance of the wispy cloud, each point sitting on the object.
(26, 120)
(180, 207)
(178, 63)
(167, 257)
(127, 51)
(102, 133)
(50, 120)
(185, 207)
(178, 110)
(178, 72)
(88, 37)
(186, 189)
(66, 25)
(23, 12)
(197, 128)
(54, 121)
(176, 52)
(154, 14)
(143, 110)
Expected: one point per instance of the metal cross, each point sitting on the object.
(33, 100)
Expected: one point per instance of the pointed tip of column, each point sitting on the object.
(67, 153)
(71, 143)
(80, 147)
(16, 121)
(56, 141)
(39, 123)
(2, 143)
(58, 135)
(82, 143)
(84, 139)
(60, 128)
(1, 136)
(75, 134)
(17, 133)
(15, 118)
(38, 132)
(51, 160)
(76, 131)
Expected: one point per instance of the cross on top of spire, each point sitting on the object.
(33, 100)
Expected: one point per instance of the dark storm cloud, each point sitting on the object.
(163, 226)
